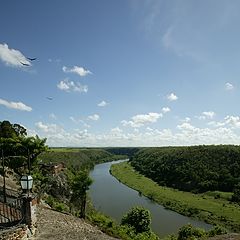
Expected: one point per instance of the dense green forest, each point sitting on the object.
(78, 158)
(195, 168)
(129, 151)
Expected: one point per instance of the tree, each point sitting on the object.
(7, 130)
(139, 218)
(236, 194)
(190, 232)
(79, 185)
(18, 149)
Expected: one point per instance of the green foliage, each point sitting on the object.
(128, 151)
(19, 151)
(78, 158)
(7, 130)
(138, 218)
(201, 206)
(195, 168)
(80, 184)
(216, 230)
(124, 232)
(236, 194)
(55, 204)
(190, 232)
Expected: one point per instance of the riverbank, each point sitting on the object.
(199, 206)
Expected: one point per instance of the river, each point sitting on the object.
(114, 199)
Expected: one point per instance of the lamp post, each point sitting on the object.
(27, 184)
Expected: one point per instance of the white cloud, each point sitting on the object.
(172, 97)
(229, 86)
(167, 38)
(229, 121)
(49, 128)
(207, 115)
(78, 70)
(73, 119)
(12, 57)
(142, 119)
(71, 86)
(184, 134)
(166, 109)
(94, 117)
(77, 121)
(216, 124)
(233, 121)
(15, 105)
(187, 119)
(53, 116)
(54, 60)
(116, 131)
(102, 104)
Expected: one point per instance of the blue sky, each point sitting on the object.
(122, 73)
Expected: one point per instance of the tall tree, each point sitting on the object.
(7, 130)
(19, 150)
(79, 185)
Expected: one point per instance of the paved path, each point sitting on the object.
(58, 226)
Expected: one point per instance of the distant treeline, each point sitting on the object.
(195, 168)
(78, 158)
(129, 151)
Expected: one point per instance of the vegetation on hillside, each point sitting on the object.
(195, 168)
(129, 151)
(78, 158)
(212, 207)
(67, 190)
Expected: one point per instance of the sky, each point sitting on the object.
(122, 73)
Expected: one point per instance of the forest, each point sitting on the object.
(194, 168)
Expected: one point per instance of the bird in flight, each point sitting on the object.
(31, 59)
(25, 64)
(49, 98)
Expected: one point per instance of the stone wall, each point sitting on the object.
(15, 233)
(24, 231)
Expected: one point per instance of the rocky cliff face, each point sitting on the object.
(58, 187)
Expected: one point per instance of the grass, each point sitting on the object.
(214, 210)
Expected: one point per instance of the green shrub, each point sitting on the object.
(190, 232)
(217, 230)
(139, 218)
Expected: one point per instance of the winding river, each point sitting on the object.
(115, 199)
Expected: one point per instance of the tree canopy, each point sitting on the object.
(195, 168)
(19, 150)
(139, 218)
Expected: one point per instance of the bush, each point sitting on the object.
(217, 230)
(139, 218)
(190, 232)
(236, 194)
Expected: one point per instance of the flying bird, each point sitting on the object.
(25, 64)
(49, 98)
(31, 59)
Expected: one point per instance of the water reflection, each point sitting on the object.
(115, 199)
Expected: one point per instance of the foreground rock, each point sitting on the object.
(58, 226)
(230, 236)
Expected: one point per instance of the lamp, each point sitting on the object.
(26, 182)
